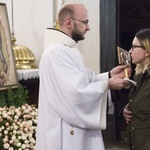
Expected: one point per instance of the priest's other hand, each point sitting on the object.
(117, 83)
(119, 71)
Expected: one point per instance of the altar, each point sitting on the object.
(30, 80)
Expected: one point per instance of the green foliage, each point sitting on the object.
(14, 97)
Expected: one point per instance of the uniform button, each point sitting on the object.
(132, 128)
(72, 132)
(130, 100)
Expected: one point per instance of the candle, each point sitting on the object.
(126, 73)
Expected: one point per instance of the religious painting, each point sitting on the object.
(125, 59)
(123, 56)
(8, 76)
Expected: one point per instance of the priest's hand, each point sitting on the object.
(127, 114)
(116, 83)
(119, 71)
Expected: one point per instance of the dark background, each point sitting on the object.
(119, 21)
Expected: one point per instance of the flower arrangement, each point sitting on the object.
(18, 127)
(18, 120)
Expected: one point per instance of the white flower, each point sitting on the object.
(5, 140)
(24, 137)
(30, 135)
(27, 145)
(16, 117)
(23, 146)
(26, 142)
(23, 107)
(18, 127)
(27, 111)
(6, 146)
(17, 110)
(13, 137)
(15, 127)
(5, 114)
(18, 144)
(30, 122)
(7, 124)
(14, 132)
(11, 141)
(19, 137)
(5, 132)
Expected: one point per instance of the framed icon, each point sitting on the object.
(125, 59)
(123, 56)
(8, 76)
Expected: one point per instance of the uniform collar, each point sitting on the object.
(57, 36)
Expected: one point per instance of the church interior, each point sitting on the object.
(129, 17)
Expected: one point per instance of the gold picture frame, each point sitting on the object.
(125, 59)
(8, 74)
(123, 56)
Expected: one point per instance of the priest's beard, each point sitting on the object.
(76, 34)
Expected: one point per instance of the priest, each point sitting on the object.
(72, 99)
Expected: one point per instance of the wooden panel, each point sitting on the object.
(107, 34)
(108, 54)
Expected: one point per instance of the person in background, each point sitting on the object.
(137, 111)
(72, 99)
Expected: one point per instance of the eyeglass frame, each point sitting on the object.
(136, 46)
(85, 22)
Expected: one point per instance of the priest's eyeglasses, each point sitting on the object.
(136, 46)
(85, 22)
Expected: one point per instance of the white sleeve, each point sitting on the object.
(101, 77)
(110, 104)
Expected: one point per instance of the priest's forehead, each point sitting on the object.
(72, 10)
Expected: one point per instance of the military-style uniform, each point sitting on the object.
(139, 99)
